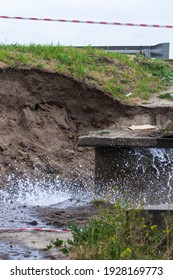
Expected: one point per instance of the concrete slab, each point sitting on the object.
(162, 207)
(160, 215)
(123, 159)
(126, 139)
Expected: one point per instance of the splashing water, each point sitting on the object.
(159, 162)
(152, 169)
(137, 174)
(41, 192)
(154, 173)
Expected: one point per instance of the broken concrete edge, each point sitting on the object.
(153, 215)
(125, 142)
(160, 218)
(162, 207)
(147, 127)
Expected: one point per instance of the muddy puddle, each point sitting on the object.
(31, 204)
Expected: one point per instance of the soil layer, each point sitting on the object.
(42, 114)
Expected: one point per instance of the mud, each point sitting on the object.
(32, 245)
(42, 114)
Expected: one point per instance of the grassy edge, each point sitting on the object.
(125, 77)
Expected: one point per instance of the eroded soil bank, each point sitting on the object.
(42, 114)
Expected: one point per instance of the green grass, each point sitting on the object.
(115, 73)
(168, 95)
(116, 235)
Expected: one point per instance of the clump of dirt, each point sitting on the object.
(42, 114)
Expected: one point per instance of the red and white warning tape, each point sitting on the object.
(35, 229)
(90, 22)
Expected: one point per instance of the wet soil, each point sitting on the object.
(31, 245)
(42, 114)
(17, 244)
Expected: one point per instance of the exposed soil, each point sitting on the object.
(42, 114)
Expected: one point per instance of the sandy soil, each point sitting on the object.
(42, 114)
(32, 245)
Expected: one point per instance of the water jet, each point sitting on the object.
(139, 163)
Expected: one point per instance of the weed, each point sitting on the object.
(48, 247)
(168, 95)
(34, 106)
(40, 65)
(122, 234)
(99, 201)
(63, 246)
(102, 132)
(58, 242)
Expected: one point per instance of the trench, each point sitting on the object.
(42, 115)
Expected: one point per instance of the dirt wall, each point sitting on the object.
(42, 114)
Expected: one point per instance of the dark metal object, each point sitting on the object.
(160, 51)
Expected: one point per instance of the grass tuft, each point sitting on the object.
(168, 95)
(120, 232)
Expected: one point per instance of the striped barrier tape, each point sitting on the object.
(89, 22)
(35, 229)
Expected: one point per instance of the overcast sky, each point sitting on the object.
(134, 11)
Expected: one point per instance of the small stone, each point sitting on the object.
(33, 223)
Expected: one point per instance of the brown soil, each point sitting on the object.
(42, 114)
